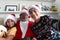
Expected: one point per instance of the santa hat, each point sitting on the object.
(3, 28)
(24, 11)
(25, 8)
(37, 7)
(11, 16)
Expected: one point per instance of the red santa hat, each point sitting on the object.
(11, 16)
(25, 7)
(37, 7)
(3, 28)
(24, 11)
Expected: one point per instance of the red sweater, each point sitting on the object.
(29, 32)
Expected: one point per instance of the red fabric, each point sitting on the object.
(13, 15)
(29, 32)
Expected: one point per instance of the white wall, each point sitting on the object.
(17, 2)
(3, 3)
(57, 3)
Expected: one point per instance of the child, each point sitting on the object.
(10, 24)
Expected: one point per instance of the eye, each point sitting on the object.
(30, 11)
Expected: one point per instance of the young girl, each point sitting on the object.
(9, 23)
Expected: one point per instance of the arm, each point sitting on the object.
(11, 34)
(2, 38)
(10, 37)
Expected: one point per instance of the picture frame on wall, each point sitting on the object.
(11, 8)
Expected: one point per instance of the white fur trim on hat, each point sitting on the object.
(3, 28)
(10, 17)
(36, 7)
(24, 11)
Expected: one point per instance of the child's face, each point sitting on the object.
(1, 33)
(10, 23)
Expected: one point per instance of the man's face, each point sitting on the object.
(34, 13)
(23, 16)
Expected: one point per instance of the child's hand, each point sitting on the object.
(1, 33)
(3, 30)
